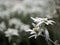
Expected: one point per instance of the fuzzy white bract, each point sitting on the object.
(32, 32)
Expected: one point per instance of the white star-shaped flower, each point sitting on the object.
(10, 32)
(39, 27)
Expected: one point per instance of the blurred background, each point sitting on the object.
(15, 15)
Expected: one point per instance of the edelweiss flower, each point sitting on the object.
(39, 28)
(11, 32)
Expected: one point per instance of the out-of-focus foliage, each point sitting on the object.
(33, 7)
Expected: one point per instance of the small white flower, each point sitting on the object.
(39, 27)
(10, 32)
